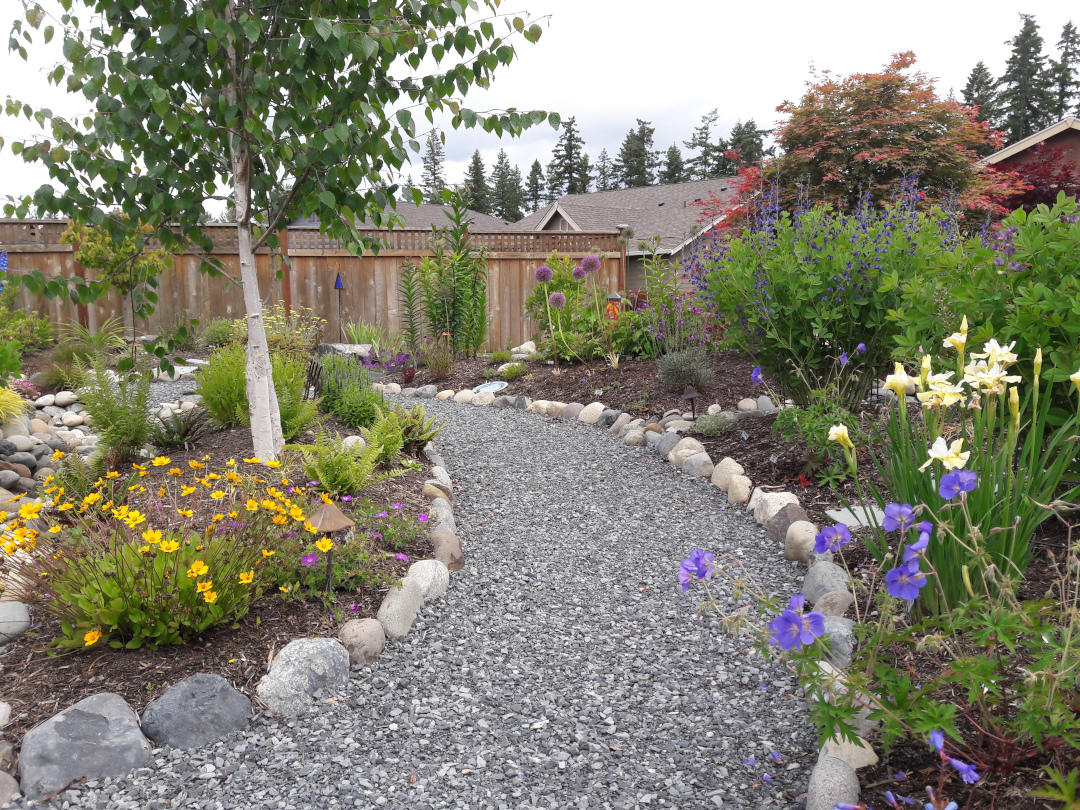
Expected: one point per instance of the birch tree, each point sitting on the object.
(196, 101)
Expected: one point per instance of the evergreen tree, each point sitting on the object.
(567, 172)
(1027, 98)
(433, 178)
(708, 160)
(637, 160)
(535, 187)
(1067, 73)
(674, 170)
(749, 142)
(475, 190)
(585, 177)
(981, 91)
(507, 192)
(605, 173)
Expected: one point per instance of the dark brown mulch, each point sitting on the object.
(39, 681)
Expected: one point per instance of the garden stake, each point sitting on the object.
(339, 286)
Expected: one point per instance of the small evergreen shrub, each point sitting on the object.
(497, 358)
(512, 372)
(219, 332)
(223, 386)
(678, 370)
(118, 409)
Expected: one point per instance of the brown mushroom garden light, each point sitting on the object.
(327, 520)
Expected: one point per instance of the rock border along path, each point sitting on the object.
(562, 668)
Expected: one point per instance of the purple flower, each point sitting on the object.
(861, 348)
(766, 779)
(309, 559)
(894, 801)
(590, 264)
(897, 516)
(843, 359)
(904, 581)
(578, 272)
(383, 514)
(967, 772)
(544, 274)
(917, 550)
(354, 607)
(557, 300)
(776, 756)
(756, 377)
(952, 484)
(750, 762)
(832, 538)
(396, 506)
(402, 557)
(937, 739)
(790, 630)
(900, 775)
(697, 566)
(422, 518)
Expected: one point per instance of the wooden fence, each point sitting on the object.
(313, 262)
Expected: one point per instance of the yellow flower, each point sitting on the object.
(210, 597)
(924, 372)
(29, 511)
(185, 512)
(176, 471)
(161, 492)
(234, 514)
(50, 490)
(1038, 362)
(266, 553)
(112, 474)
(279, 520)
(143, 549)
(217, 495)
(198, 568)
(120, 512)
(139, 467)
(326, 498)
(161, 461)
(91, 638)
(152, 536)
(195, 465)
(1075, 377)
(203, 587)
(990, 379)
(996, 354)
(231, 462)
(252, 460)
(949, 455)
(296, 513)
(898, 381)
(273, 465)
(247, 576)
(942, 393)
(169, 546)
(218, 518)
(59, 454)
(213, 477)
(309, 527)
(134, 519)
(206, 457)
(233, 477)
(957, 340)
(1014, 407)
(324, 545)
(185, 490)
(252, 505)
(269, 505)
(55, 529)
(18, 497)
(839, 434)
(283, 589)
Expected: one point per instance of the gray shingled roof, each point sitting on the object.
(666, 211)
(424, 216)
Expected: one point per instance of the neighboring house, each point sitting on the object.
(423, 217)
(1048, 161)
(667, 211)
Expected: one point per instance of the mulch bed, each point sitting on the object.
(40, 681)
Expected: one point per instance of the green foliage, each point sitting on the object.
(342, 470)
(689, 367)
(297, 413)
(19, 325)
(438, 358)
(514, 370)
(62, 377)
(347, 393)
(219, 332)
(68, 352)
(716, 424)
(386, 436)
(811, 424)
(182, 335)
(12, 405)
(632, 338)
(579, 330)
(363, 332)
(10, 360)
(295, 332)
(110, 335)
(179, 429)
(1062, 788)
(222, 384)
(415, 427)
(411, 291)
(500, 356)
(118, 410)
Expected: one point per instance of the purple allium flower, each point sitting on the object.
(861, 348)
(832, 538)
(309, 559)
(897, 516)
(697, 566)
(422, 518)
(967, 772)
(917, 550)
(952, 484)
(790, 630)
(544, 274)
(578, 272)
(590, 264)
(756, 377)
(843, 359)
(402, 557)
(904, 581)
(557, 300)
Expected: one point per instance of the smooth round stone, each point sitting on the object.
(72, 419)
(447, 394)
(746, 405)
(65, 398)
(45, 401)
(739, 489)
(464, 397)
(590, 414)
(364, 640)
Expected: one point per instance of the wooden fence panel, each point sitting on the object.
(371, 282)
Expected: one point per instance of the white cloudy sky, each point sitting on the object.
(608, 62)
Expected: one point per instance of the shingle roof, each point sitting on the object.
(422, 217)
(666, 211)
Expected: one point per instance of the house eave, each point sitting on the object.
(1070, 122)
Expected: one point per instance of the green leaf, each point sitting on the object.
(555, 120)
(324, 28)
(327, 198)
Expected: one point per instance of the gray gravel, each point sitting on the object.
(165, 391)
(564, 668)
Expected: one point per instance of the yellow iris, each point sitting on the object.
(839, 434)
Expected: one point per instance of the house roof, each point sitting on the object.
(666, 211)
(423, 217)
(1032, 140)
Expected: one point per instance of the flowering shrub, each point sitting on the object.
(297, 331)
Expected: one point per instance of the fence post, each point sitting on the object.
(286, 281)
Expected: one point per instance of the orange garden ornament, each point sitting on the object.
(614, 304)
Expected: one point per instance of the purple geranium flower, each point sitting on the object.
(756, 377)
(402, 557)
(578, 272)
(750, 762)
(354, 607)
(898, 516)
(843, 358)
(309, 559)
(952, 484)
(791, 630)
(396, 506)
(917, 550)
(904, 581)
(382, 514)
(967, 772)
(422, 518)
(697, 566)
(832, 538)
(544, 274)
(937, 739)
(590, 264)
(557, 300)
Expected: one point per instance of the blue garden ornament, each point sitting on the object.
(338, 284)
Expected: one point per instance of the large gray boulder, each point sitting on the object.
(666, 444)
(364, 640)
(14, 620)
(608, 418)
(304, 670)
(823, 578)
(427, 392)
(197, 711)
(400, 607)
(97, 737)
(833, 782)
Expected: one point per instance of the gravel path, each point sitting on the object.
(563, 669)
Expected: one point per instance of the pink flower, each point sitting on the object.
(422, 518)
(402, 557)
(354, 607)
(383, 514)
(396, 506)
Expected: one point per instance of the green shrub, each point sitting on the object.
(716, 424)
(183, 335)
(298, 331)
(438, 358)
(385, 436)
(500, 356)
(357, 407)
(110, 335)
(67, 353)
(363, 332)
(62, 377)
(342, 470)
(31, 331)
(180, 429)
(290, 374)
(222, 384)
(219, 332)
(689, 367)
(10, 360)
(12, 405)
(118, 409)
(811, 424)
(512, 372)
(413, 424)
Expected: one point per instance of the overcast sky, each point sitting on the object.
(608, 62)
